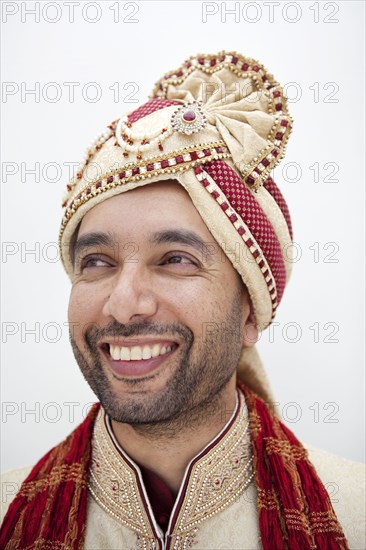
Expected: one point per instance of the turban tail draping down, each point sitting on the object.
(218, 125)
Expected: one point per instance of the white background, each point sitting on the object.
(319, 384)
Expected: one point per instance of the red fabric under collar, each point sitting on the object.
(161, 497)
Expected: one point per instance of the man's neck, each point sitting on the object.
(167, 448)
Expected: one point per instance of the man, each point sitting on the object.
(176, 253)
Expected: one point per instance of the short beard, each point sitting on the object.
(192, 394)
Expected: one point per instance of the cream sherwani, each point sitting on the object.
(216, 504)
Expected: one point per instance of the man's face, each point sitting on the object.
(157, 317)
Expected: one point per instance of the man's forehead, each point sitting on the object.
(157, 200)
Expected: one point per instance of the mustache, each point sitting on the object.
(94, 334)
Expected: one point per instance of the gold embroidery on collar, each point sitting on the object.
(216, 478)
(113, 483)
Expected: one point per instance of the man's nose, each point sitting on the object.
(131, 295)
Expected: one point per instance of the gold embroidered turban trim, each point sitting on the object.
(218, 125)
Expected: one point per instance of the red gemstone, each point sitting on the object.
(213, 62)
(164, 163)
(255, 253)
(233, 218)
(121, 175)
(180, 73)
(201, 61)
(274, 152)
(279, 135)
(194, 155)
(250, 180)
(205, 182)
(265, 162)
(245, 67)
(207, 152)
(110, 179)
(149, 167)
(224, 206)
(284, 122)
(249, 243)
(198, 170)
(276, 93)
(241, 230)
(215, 194)
(135, 171)
(234, 60)
(189, 116)
(179, 159)
(279, 107)
(256, 68)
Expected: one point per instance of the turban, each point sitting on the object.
(218, 125)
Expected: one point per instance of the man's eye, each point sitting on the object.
(180, 259)
(93, 262)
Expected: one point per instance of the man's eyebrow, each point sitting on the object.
(183, 236)
(92, 239)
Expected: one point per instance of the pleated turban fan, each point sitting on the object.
(218, 125)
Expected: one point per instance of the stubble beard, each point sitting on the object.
(191, 395)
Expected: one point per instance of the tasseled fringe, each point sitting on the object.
(295, 511)
(52, 501)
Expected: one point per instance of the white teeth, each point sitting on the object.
(136, 353)
(146, 352)
(125, 354)
(114, 351)
(155, 350)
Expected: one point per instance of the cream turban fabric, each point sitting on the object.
(218, 125)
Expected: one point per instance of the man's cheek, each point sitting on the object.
(83, 303)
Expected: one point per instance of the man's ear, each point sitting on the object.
(250, 331)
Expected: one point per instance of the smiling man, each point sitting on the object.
(178, 255)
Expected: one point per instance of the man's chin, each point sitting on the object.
(140, 408)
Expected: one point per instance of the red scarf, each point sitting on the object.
(294, 508)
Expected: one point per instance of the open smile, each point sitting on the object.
(137, 359)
